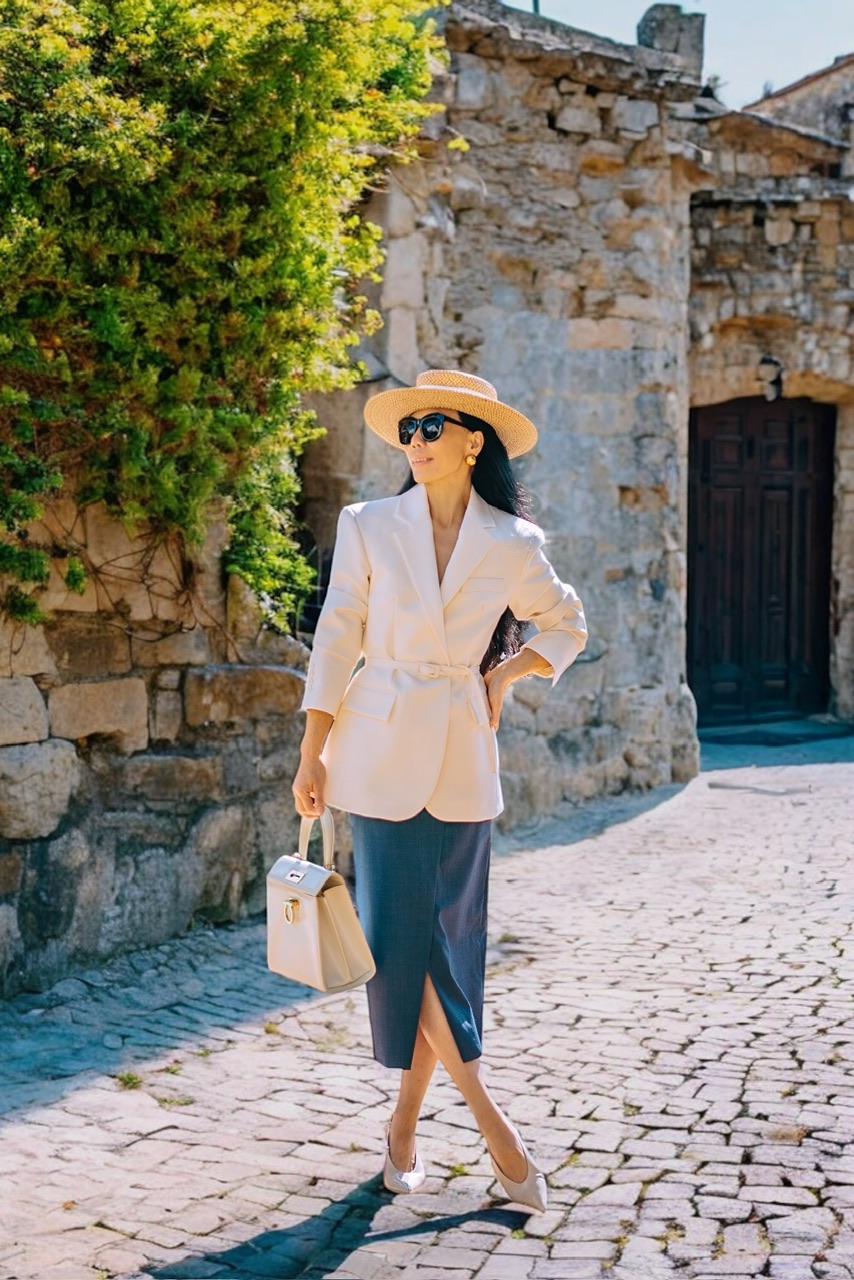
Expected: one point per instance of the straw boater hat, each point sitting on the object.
(450, 389)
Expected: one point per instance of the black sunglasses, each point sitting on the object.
(431, 426)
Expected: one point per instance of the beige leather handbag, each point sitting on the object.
(313, 932)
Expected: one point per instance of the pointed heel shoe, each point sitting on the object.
(397, 1182)
(533, 1192)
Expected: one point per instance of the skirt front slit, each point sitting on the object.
(421, 892)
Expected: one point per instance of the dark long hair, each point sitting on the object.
(493, 478)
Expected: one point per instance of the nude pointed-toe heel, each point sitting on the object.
(533, 1192)
(393, 1179)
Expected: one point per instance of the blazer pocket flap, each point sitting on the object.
(483, 584)
(366, 701)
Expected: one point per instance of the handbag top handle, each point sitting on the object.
(327, 829)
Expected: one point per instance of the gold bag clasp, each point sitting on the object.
(290, 909)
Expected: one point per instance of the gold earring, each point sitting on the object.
(471, 459)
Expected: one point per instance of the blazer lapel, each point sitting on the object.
(414, 536)
(475, 538)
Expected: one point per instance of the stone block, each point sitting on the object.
(50, 898)
(109, 541)
(278, 827)
(109, 708)
(11, 869)
(634, 306)
(244, 615)
(134, 575)
(180, 779)
(575, 118)
(156, 893)
(531, 693)
(10, 940)
(154, 649)
(475, 87)
(685, 746)
(468, 191)
(779, 230)
(827, 232)
(149, 600)
(609, 334)
(56, 597)
(398, 210)
(87, 646)
(562, 715)
(225, 694)
(600, 163)
(403, 276)
(635, 115)
(167, 715)
(531, 775)
(666, 28)
(24, 650)
(61, 519)
(209, 584)
(400, 343)
(223, 843)
(23, 715)
(37, 781)
(269, 649)
(649, 764)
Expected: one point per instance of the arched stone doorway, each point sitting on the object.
(760, 515)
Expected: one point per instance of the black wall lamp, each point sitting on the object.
(770, 372)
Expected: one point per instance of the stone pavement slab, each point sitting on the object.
(669, 1020)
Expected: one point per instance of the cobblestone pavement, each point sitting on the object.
(669, 1021)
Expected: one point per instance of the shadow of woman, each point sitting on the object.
(320, 1246)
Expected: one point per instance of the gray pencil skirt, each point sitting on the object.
(421, 892)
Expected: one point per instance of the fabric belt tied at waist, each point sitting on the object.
(430, 669)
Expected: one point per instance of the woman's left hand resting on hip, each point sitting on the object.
(499, 679)
(310, 782)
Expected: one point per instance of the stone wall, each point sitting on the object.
(823, 102)
(773, 275)
(148, 731)
(552, 258)
(148, 739)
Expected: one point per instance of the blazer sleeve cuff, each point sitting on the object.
(327, 678)
(559, 648)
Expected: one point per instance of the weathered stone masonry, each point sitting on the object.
(148, 738)
(773, 275)
(552, 258)
(611, 250)
(615, 247)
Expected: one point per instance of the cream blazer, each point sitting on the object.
(411, 728)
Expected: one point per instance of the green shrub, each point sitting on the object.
(180, 251)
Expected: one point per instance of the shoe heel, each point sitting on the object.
(533, 1192)
(395, 1181)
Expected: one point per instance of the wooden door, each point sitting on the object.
(759, 527)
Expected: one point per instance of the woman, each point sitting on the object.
(426, 586)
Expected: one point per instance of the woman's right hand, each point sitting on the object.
(308, 787)
(310, 782)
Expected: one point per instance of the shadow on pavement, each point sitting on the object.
(321, 1245)
(799, 742)
(208, 988)
(212, 987)
(760, 751)
(583, 821)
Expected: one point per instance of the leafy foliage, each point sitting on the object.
(180, 251)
